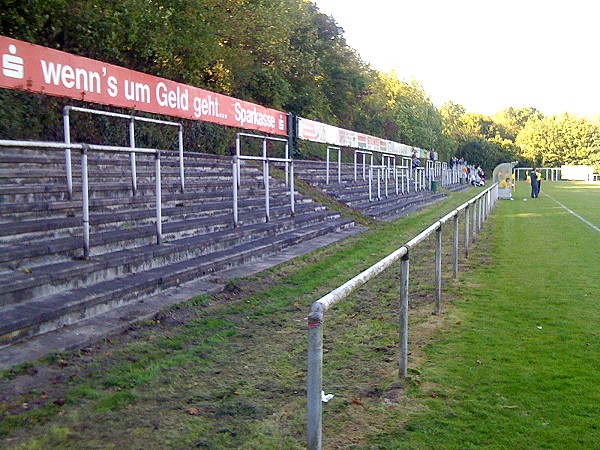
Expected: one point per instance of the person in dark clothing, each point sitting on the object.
(534, 184)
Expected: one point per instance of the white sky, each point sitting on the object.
(486, 55)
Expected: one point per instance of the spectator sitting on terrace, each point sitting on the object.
(415, 161)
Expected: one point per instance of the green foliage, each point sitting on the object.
(283, 54)
(558, 140)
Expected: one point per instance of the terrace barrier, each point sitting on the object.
(481, 206)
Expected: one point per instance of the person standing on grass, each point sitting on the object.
(539, 181)
(534, 183)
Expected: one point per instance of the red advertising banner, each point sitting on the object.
(39, 69)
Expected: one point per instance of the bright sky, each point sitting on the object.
(486, 55)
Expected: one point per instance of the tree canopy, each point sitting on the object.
(284, 54)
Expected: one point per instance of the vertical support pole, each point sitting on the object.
(68, 164)
(292, 193)
(158, 199)
(266, 180)
(378, 183)
(181, 167)
(339, 166)
(404, 282)
(438, 270)
(314, 385)
(287, 164)
(416, 178)
(386, 176)
(327, 165)
(86, 202)
(481, 213)
(371, 183)
(355, 166)
(234, 169)
(238, 160)
(474, 221)
(132, 156)
(467, 232)
(455, 253)
(364, 155)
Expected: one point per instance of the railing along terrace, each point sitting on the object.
(364, 163)
(481, 206)
(132, 119)
(339, 161)
(265, 159)
(85, 149)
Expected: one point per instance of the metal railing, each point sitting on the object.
(364, 163)
(339, 160)
(132, 119)
(237, 174)
(482, 205)
(85, 148)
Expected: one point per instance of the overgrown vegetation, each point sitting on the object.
(283, 54)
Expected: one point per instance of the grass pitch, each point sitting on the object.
(512, 362)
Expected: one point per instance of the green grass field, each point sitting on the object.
(518, 365)
(512, 363)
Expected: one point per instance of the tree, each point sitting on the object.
(513, 120)
(558, 140)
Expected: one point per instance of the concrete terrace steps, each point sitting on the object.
(44, 282)
(356, 193)
(44, 314)
(56, 277)
(142, 213)
(29, 253)
(395, 207)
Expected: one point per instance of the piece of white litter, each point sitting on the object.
(326, 397)
(539, 328)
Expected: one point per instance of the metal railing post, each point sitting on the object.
(404, 283)
(386, 174)
(181, 167)
(474, 221)
(69, 167)
(266, 180)
(365, 166)
(238, 160)
(438, 270)
(158, 199)
(378, 183)
(287, 164)
(456, 248)
(355, 166)
(371, 183)
(292, 194)
(314, 384)
(327, 166)
(339, 166)
(234, 169)
(86, 202)
(132, 156)
(467, 232)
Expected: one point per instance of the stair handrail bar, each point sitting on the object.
(237, 171)
(339, 152)
(85, 148)
(483, 203)
(364, 163)
(132, 119)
